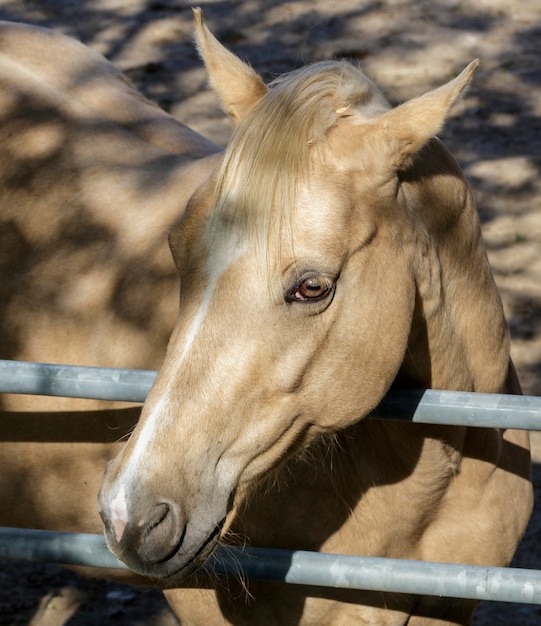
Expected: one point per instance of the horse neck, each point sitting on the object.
(459, 338)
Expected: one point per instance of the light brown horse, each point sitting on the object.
(92, 176)
(335, 252)
(332, 252)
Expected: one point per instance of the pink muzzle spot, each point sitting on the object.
(119, 525)
(119, 514)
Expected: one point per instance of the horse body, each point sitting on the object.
(92, 176)
(332, 252)
(77, 137)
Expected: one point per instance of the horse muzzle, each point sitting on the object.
(153, 535)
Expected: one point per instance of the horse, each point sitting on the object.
(92, 177)
(334, 253)
(330, 253)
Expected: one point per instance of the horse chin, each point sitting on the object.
(176, 577)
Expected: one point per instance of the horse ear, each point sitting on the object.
(409, 126)
(236, 83)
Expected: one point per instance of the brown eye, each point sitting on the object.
(310, 288)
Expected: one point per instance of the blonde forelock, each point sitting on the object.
(270, 154)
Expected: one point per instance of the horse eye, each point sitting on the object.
(310, 288)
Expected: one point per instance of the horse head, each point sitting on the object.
(300, 268)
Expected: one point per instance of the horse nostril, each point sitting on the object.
(161, 533)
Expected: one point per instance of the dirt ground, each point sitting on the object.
(407, 47)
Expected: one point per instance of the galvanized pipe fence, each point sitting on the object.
(295, 567)
(428, 406)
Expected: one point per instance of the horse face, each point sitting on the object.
(298, 270)
(272, 348)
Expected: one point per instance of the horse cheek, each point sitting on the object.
(365, 350)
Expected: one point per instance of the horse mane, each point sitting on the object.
(269, 154)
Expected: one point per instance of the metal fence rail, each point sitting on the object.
(428, 406)
(301, 568)
(72, 381)
(296, 567)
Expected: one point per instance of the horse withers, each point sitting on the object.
(333, 253)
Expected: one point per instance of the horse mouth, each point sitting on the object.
(179, 565)
(175, 577)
